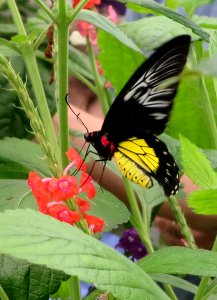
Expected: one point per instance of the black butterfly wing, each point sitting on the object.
(140, 159)
(143, 103)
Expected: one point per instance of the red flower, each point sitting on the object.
(90, 3)
(63, 188)
(39, 190)
(75, 158)
(83, 28)
(62, 213)
(95, 224)
(52, 194)
(86, 29)
(82, 204)
(87, 185)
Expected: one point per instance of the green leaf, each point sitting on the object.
(212, 157)
(79, 63)
(191, 6)
(43, 240)
(11, 169)
(10, 46)
(103, 23)
(196, 165)
(162, 30)
(180, 260)
(118, 61)
(207, 66)
(175, 282)
(213, 43)
(206, 22)
(204, 202)
(13, 121)
(172, 15)
(22, 280)
(188, 114)
(9, 52)
(23, 153)
(15, 194)
(105, 205)
(8, 29)
(172, 4)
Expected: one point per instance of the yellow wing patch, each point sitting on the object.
(139, 151)
(135, 158)
(129, 169)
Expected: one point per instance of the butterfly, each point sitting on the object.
(139, 114)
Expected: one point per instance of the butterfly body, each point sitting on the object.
(139, 114)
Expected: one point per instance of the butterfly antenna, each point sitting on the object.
(77, 115)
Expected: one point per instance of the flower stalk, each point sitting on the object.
(31, 112)
(185, 230)
(27, 50)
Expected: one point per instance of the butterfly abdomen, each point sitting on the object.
(130, 170)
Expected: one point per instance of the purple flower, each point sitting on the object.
(132, 245)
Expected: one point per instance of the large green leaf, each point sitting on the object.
(180, 260)
(196, 165)
(103, 23)
(23, 153)
(43, 240)
(204, 202)
(105, 205)
(172, 15)
(162, 30)
(15, 194)
(118, 61)
(191, 6)
(22, 280)
(187, 117)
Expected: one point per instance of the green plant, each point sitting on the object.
(37, 240)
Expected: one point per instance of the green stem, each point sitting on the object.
(73, 14)
(185, 230)
(41, 38)
(74, 288)
(142, 228)
(3, 295)
(62, 77)
(100, 90)
(32, 68)
(205, 280)
(16, 17)
(45, 9)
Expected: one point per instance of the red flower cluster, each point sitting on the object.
(90, 4)
(52, 194)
